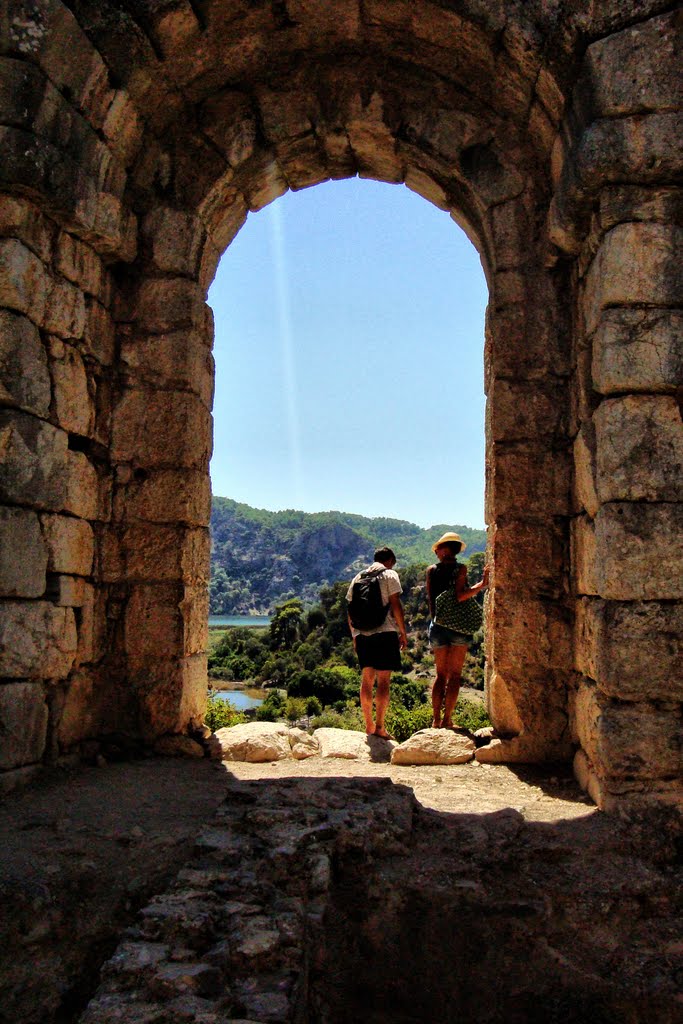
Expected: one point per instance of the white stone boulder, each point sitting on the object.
(434, 746)
(353, 746)
(303, 744)
(252, 741)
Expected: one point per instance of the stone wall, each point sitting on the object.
(550, 137)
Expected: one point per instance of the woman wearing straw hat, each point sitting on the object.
(450, 647)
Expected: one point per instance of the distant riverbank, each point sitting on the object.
(216, 621)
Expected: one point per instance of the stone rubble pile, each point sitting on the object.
(231, 939)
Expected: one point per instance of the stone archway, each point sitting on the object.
(547, 137)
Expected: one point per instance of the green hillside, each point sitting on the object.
(259, 558)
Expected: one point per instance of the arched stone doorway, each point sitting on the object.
(128, 171)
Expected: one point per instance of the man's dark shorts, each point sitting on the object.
(381, 651)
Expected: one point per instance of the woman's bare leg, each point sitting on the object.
(454, 664)
(439, 687)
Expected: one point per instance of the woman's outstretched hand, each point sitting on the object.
(485, 577)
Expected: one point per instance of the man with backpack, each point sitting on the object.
(378, 629)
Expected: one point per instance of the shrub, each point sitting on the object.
(471, 714)
(295, 709)
(313, 706)
(221, 714)
(402, 723)
(350, 718)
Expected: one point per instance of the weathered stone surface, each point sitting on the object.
(527, 481)
(64, 309)
(253, 741)
(70, 544)
(23, 281)
(355, 746)
(175, 424)
(165, 304)
(173, 238)
(153, 622)
(303, 744)
(638, 350)
(629, 648)
(528, 557)
(37, 640)
(81, 265)
(583, 555)
(178, 746)
(585, 471)
(639, 551)
(82, 487)
(75, 411)
(170, 692)
(24, 377)
(631, 740)
(33, 468)
(98, 332)
(525, 411)
(636, 70)
(434, 746)
(179, 359)
(501, 706)
(23, 555)
(171, 496)
(23, 724)
(22, 219)
(639, 449)
(636, 263)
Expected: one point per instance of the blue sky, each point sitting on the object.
(349, 358)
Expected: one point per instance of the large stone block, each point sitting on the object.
(23, 554)
(171, 693)
(585, 471)
(166, 304)
(180, 359)
(529, 557)
(636, 70)
(528, 481)
(153, 622)
(99, 333)
(639, 551)
(636, 263)
(70, 545)
(526, 411)
(22, 219)
(633, 649)
(23, 724)
(161, 428)
(80, 264)
(638, 350)
(73, 404)
(170, 496)
(583, 555)
(23, 280)
(528, 630)
(154, 552)
(24, 377)
(525, 346)
(639, 449)
(64, 309)
(37, 640)
(195, 611)
(628, 740)
(33, 466)
(82, 487)
(173, 239)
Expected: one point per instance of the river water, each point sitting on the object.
(239, 620)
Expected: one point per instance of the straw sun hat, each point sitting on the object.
(450, 538)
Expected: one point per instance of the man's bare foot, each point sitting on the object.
(447, 725)
(383, 734)
(436, 724)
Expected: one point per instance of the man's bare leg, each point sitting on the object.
(367, 682)
(456, 660)
(382, 702)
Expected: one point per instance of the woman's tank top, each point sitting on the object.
(442, 576)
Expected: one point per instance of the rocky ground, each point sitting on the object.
(333, 890)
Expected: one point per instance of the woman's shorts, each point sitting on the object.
(381, 651)
(441, 636)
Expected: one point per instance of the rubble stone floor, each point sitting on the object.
(163, 891)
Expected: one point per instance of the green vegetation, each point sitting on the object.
(221, 714)
(307, 662)
(261, 559)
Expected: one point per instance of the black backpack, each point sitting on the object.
(366, 609)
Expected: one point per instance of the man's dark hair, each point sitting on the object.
(384, 555)
(453, 546)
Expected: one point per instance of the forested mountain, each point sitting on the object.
(260, 558)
